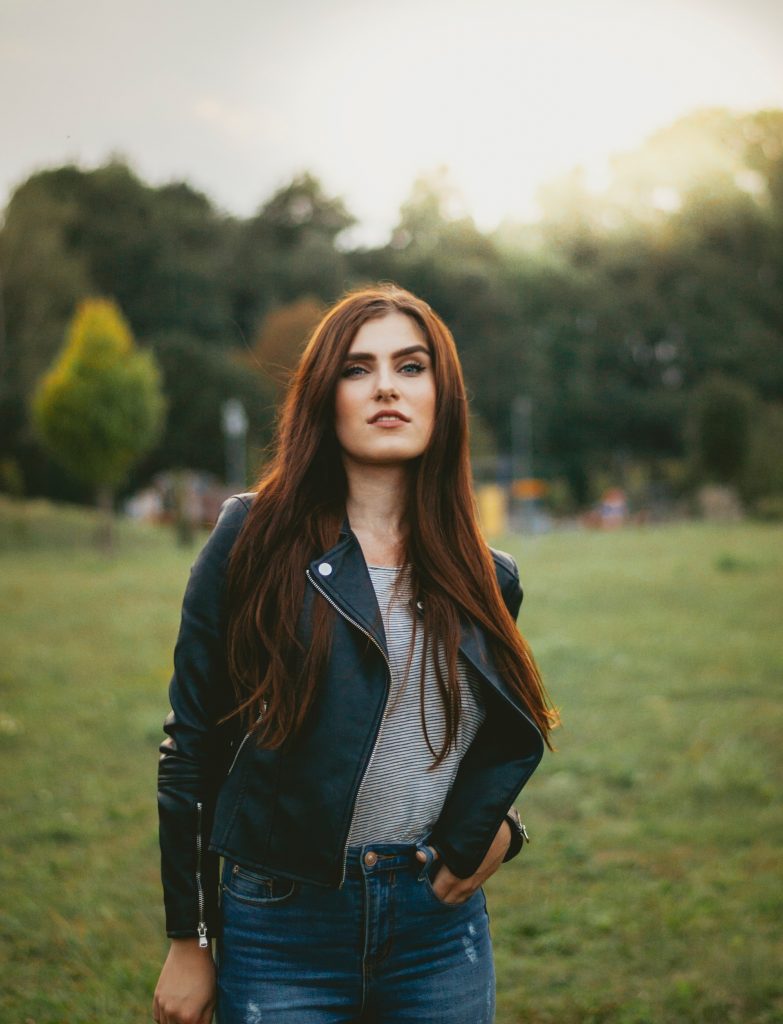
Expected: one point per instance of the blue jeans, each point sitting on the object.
(384, 949)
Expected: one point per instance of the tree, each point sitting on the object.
(762, 479)
(282, 336)
(289, 249)
(197, 380)
(42, 280)
(101, 406)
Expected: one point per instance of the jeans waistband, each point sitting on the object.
(373, 858)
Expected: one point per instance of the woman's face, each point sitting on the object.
(388, 369)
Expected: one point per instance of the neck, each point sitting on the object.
(376, 499)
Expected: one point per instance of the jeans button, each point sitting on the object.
(370, 858)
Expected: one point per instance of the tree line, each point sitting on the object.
(618, 313)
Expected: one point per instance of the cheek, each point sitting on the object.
(430, 405)
(344, 410)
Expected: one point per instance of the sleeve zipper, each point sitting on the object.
(202, 926)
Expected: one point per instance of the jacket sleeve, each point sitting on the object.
(494, 762)
(513, 595)
(512, 590)
(194, 756)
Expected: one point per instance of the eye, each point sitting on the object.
(414, 365)
(349, 372)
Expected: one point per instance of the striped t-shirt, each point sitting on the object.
(399, 800)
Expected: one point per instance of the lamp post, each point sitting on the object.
(521, 451)
(522, 436)
(234, 422)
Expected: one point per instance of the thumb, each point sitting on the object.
(421, 855)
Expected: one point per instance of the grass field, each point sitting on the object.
(651, 891)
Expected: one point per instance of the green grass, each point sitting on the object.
(651, 891)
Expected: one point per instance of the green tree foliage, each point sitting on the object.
(163, 253)
(100, 407)
(634, 294)
(197, 380)
(762, 478)
(289, 249)
(42, 281)
(607, 313)
(720, 428)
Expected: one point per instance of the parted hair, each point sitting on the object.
(296, 515)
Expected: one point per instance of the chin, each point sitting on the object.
(388, 457)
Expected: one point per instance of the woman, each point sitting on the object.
(356, 775)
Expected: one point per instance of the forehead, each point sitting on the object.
(387, 334)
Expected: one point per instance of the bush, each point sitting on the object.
(719, 430)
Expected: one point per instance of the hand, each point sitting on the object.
(450, 888)
(185, 993)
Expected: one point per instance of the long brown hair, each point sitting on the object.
(296, 516)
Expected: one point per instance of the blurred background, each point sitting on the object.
(591, 196)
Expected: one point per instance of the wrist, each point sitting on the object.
(518, 833)
(508, 835)
(189, 944)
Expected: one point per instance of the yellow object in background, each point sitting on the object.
(493, 509)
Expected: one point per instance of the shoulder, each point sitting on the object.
(230, 518)
(505, 565)
(507, 572)
(245, 499)
(234, 510)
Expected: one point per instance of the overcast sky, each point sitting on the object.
(238, 96)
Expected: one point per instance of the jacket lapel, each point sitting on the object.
(341, 573)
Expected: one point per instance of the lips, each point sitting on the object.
(389, 413)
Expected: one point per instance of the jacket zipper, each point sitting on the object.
(353, 622)
(385, 702)
(202, 927)
(245, 738)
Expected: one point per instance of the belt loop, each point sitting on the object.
(425, 865)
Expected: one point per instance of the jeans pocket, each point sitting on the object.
(256, 887)
(429, 876)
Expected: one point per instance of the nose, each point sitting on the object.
(386, 386)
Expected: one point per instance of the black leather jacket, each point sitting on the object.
(288, 811)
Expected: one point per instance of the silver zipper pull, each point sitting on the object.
(202, 935)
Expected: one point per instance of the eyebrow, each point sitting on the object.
(369, 357)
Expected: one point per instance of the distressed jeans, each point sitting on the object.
(384, 949)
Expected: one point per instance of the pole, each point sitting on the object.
(522, 437)
(234, 421)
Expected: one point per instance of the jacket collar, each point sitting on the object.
(341, 574)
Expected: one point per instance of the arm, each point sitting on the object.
(192, 762)
(450, 888)
(189, 772)
(495, 762)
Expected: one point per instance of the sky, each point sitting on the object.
(238, 97)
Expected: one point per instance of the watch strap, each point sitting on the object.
(519, 834)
